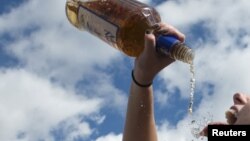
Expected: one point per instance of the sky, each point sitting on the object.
(58, 83)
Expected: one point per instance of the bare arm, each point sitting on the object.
(140, 122)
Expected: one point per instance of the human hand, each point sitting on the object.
(150, 62)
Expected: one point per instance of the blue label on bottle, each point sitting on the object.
(165, 43)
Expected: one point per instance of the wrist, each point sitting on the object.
(141, 78)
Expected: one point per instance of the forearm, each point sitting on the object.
(140, 123)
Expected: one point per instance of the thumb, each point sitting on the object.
(149, 40)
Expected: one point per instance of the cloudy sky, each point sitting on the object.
(61, 84)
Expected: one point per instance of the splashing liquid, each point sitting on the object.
(197, 125)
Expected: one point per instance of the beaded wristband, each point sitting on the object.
(137, 83)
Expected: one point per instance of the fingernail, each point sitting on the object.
(156, 26)
(164, 31)
(147, 31)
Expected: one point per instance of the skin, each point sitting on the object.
(140, 122)
(241, 105)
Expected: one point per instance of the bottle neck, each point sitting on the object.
(182, 53)
(170, 45)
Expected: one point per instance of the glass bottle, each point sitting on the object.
(122, 24)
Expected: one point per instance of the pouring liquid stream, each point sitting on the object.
(192, 88)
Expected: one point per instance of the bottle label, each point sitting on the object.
(98, 26)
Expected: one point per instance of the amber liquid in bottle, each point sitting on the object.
(125, 15)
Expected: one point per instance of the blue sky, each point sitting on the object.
(61, 84)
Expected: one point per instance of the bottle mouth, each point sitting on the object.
(190, 56)
(184, 54)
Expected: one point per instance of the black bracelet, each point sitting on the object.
(137, 83)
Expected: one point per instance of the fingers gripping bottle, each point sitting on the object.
(122, 24)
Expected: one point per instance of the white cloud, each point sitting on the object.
(32, 105)
(161, 97)
(99, 119)
(110, 137)
(144, 1)
(74, 128)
